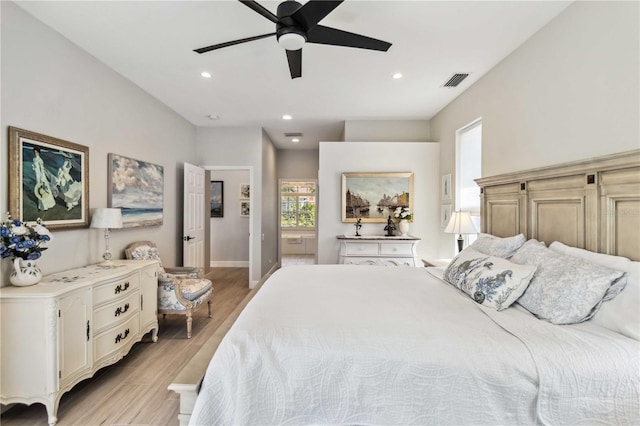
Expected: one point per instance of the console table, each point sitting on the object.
(63, 329)
(378, 250)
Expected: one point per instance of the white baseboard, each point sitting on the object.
(229, 263)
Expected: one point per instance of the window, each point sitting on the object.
(468, 168)
(298, 204)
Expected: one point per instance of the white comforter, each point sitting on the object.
(341, 344)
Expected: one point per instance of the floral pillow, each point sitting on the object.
(496, 246)
(564, 289)
(490, 281)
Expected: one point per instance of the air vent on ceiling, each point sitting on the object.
(293, 135)
(455, 80)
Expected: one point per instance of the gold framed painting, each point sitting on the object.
(373, 197)
(48, 179)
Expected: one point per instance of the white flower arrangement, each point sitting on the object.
(403, 213)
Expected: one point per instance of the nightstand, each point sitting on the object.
(436, 262)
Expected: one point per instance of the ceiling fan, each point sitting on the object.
(297, 24)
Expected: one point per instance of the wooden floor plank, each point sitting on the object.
(134, 390)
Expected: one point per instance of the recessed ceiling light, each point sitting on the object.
(213, 117)
(205, 74)
(287, 117)
(295, 140)
(397, 76)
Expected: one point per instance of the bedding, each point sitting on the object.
(496, 246)
(345, 344)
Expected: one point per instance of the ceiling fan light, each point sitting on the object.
(292, 41)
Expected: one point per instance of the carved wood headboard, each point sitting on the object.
(592, 204)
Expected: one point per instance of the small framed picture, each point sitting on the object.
(446, 187)
(445, 215)
(217, 198)
(245, 208)
(245, 190)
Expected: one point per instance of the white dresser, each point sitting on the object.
(62, 330)
(378, 250)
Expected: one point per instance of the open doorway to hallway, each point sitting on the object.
(298, 241)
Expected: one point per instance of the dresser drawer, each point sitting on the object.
(116, 289)
(361, 249)
(116, 312)
(396, 249)
(117, 338)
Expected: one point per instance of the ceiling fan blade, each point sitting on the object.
(295, 62)
(313, 12)
(231, 43)
(325, 35)
(255, 6)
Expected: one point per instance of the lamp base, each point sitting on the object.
(460, 243)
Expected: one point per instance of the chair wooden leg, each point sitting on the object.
(209, 307)
(189, 321)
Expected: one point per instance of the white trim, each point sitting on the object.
(229, 263)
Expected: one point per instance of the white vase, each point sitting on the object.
(403, 226)
(25, 273)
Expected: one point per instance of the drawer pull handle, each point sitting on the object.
(88, 330)
(122, 336)
(121, 310)
(122, 288)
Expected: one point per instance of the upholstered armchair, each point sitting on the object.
(180, 290)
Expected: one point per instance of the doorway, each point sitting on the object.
(297, 224)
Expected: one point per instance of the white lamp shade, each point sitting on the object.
(106, 218)
(460, 223)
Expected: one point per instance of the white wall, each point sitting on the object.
(230, 233)
(269, 205)
(386, 130)
(51, 86)
(570, 92)
(298, 164)
(238, 147)
(343, 157)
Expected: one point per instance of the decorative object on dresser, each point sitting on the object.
(358, 225)
(405, 215)
(106, 218)
(181, 290)
(73, 323)
(48, 179)
(136, 187)
(373, 197)
(390, 228)
(460, 223)
(378, 250)
(24, 243)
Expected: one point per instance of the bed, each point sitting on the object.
(344, 344)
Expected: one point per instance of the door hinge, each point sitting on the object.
(59, 314)
(88, 330)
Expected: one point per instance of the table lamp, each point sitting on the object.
(106, 219)
(460, 223)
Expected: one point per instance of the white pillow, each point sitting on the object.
(496, 246)
(622, 314)
(564, 289)
(489, 280)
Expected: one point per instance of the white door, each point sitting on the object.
(193, 217)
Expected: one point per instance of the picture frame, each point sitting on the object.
(48, 180)
(245, 208)
(445, 194)
(373, 197)
(217, 198)
(137, 188)
(245, 190)
(445, 215)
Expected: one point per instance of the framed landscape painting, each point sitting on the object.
(373, 197)
(217, 198)
(48, 180)
(137, 188)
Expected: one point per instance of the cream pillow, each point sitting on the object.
(622, 313)
(489, 280)
(496, 246)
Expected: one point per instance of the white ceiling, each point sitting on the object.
(151, 43)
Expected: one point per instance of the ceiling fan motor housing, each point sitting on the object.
(288, 32)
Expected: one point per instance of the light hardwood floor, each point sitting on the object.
(134, 390)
